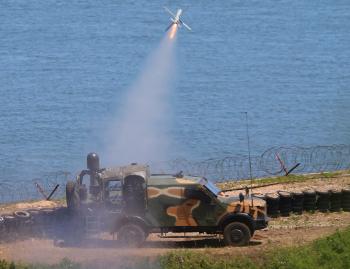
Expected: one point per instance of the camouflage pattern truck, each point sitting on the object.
(133, 203)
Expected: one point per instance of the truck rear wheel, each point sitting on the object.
(131, 235)
(236, 234)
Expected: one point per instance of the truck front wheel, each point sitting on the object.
(236, 234)
(131, 235)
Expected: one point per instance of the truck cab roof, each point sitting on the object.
(120, 172)
(171, 180)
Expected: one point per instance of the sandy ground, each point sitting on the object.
(103, 253)
(10, 208)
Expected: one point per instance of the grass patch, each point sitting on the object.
(193, 260)
(330, 174)
(292, 178)
(330, 252)
(263, 181)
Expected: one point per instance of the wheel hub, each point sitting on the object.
(236, 235)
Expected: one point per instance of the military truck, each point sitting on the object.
(133, 203)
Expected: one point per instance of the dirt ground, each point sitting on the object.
(286, 231)
(282, 231)
(10, 208)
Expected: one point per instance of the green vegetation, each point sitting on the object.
(331, 174)
(64, 264)
(284, 179)
(330, 252)
(263, 181)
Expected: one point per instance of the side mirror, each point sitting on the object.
(241, 197)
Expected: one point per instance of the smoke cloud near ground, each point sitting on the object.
(137, 134)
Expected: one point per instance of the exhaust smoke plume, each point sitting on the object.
(173, 31)
(138, 132)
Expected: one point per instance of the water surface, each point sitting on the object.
(66, 65)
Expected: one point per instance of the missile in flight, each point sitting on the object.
(175, 19)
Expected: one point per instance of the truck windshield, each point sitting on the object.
(211, 187)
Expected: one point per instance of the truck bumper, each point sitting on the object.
(261, 224)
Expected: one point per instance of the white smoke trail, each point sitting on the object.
(138, 133)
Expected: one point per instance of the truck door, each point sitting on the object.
(113, 196)
(134, 194)
(204, 212)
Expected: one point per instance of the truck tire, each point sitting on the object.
(285, 205)
(335, 200)
(259, 195)
(236, 234)
(309, 200)
(10, 223)
(346, 199)
(22, 214)
(322, 200)
(2, 226)
(131, 235)
(273, 204)
(297, 202)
